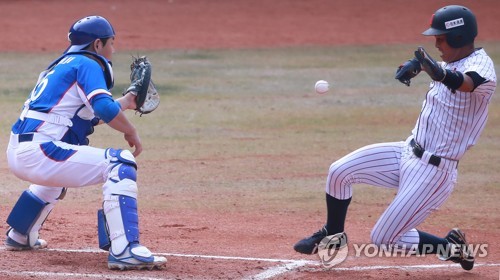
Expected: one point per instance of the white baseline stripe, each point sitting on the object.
(92, 250)
(404, 267)
(277, 270)
(272, 272)
(304, 262)
(81, 275)
(239, 258)
(282, 269)
(289, 265)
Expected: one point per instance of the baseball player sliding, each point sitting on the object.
(49, 147)
(423, 168)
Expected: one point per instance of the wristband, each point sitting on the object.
(453, 79)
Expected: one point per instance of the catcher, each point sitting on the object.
(49, 146)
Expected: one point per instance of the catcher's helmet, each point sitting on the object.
(84, 31)
(457, 22)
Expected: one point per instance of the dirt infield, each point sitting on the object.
(251, 245)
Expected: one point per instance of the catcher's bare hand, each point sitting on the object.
(142, 86)
(134, 141)
(408, 70)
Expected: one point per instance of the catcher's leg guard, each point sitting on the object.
(26, 219)
(102, 231)
(118, 224)
(125, 252)
(122, 175)
(123, 224)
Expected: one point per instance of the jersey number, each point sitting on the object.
(41, 85)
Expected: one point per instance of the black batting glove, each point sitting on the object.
(429, 65)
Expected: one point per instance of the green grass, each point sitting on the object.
(243, 128)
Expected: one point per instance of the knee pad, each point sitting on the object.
(28, 215)
(126, 171)
(120, 156)
(122, 175)
(118, 223)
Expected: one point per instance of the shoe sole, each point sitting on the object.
(122, 266)
(14, 249)
(466, 264)
(9, 247)
(301, 250)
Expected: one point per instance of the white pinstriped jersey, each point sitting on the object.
(450, 123)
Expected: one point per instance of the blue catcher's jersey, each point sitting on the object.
(65, 91)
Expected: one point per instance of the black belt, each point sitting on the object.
(419, 152)
(25, 137)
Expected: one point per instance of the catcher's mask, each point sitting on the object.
(84, 31)
(457, 22)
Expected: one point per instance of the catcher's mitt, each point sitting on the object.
(142, 86)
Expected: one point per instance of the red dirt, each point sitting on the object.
(31, 26)
(36, 26)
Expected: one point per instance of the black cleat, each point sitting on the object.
(459, 250)
(309, 245)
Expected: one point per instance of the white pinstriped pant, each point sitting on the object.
(422, 187)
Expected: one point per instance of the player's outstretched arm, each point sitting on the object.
(127, 101)
(454, 80)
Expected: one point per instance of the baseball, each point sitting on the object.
(321, 86)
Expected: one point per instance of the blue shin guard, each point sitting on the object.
(25, 220)
(126, 215)
(118, 221)
(122, 229)
(102, 231)
(26, 212)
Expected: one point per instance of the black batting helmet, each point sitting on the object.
(457, 22)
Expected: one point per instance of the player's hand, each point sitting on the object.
(408, 70)
(433, 68)
(122, 124)
(134, 141)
